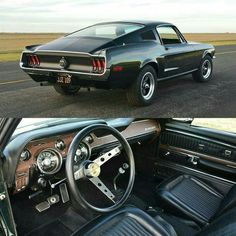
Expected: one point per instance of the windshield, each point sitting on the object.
(28, 124)
(107, 30)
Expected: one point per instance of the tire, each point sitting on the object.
(205, 70)
(66, 90)
(143, 91)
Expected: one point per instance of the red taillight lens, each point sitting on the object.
(99, 65)
(94, 65)
(33, 60)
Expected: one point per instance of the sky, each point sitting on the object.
(192, 16)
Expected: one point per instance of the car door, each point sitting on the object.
(178, 54)
(7, 224)
(204, 152)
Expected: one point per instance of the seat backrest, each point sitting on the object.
(223, 225)
(228, 202)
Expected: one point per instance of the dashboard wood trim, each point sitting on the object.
(135, 129)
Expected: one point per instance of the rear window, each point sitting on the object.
(107, 30)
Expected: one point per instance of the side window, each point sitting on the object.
(168, 35)
(148, 35)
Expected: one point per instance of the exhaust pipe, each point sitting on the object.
(45, 84)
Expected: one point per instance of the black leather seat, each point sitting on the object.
(132, 221)
(190, 196)
(128, 221)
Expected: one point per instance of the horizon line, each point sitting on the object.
(3, 32)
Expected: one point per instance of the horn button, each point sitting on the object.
(92, 170)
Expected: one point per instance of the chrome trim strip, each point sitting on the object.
(200, 137)
(173, 76)
(60, 71)
(170, 69)
(197, 171)
(234, 167)
(59, 52)
(189, 153)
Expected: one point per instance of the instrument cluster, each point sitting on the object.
(49, 159)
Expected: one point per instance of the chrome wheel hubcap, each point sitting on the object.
(147, 85)
(206, 69)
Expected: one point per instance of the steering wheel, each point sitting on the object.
(90, 170)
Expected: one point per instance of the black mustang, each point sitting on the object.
(127, 55)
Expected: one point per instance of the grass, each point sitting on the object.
(214, 38)
(5, 57)
(11, 44)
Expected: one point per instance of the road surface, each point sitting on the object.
(182, 97)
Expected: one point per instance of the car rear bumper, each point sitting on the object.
(76, 79)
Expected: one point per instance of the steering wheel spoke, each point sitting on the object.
(79, 174)
(102, 187)
(108, 155)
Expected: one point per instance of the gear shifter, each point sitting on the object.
(121, 171)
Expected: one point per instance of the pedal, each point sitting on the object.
(43, 206)
(64, 193)
(53, 199)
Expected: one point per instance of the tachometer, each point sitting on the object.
(49, 161)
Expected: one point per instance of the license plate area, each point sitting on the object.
(64, 79)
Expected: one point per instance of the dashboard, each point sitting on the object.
(44, 152)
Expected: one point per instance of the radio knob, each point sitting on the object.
(60, 145)
(25, 155)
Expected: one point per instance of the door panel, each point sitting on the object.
(7, 223)
(178, 59)
(179, 55)
(205, 150)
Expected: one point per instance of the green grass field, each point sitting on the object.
(11, 44)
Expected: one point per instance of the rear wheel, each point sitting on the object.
(204, 73)
(66, 90)
(142, 92)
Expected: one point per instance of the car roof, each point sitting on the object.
(142, 22)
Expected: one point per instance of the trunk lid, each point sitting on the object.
(78, 44)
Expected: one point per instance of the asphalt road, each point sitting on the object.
(182, 97)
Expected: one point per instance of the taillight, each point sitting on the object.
(33, 60)
(99, 65)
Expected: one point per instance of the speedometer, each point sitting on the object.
(82, 152)
(49, 161)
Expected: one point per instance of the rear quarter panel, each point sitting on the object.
(132, 57)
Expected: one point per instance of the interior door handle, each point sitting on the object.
(193, 159)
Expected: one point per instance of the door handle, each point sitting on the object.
(193, 159)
